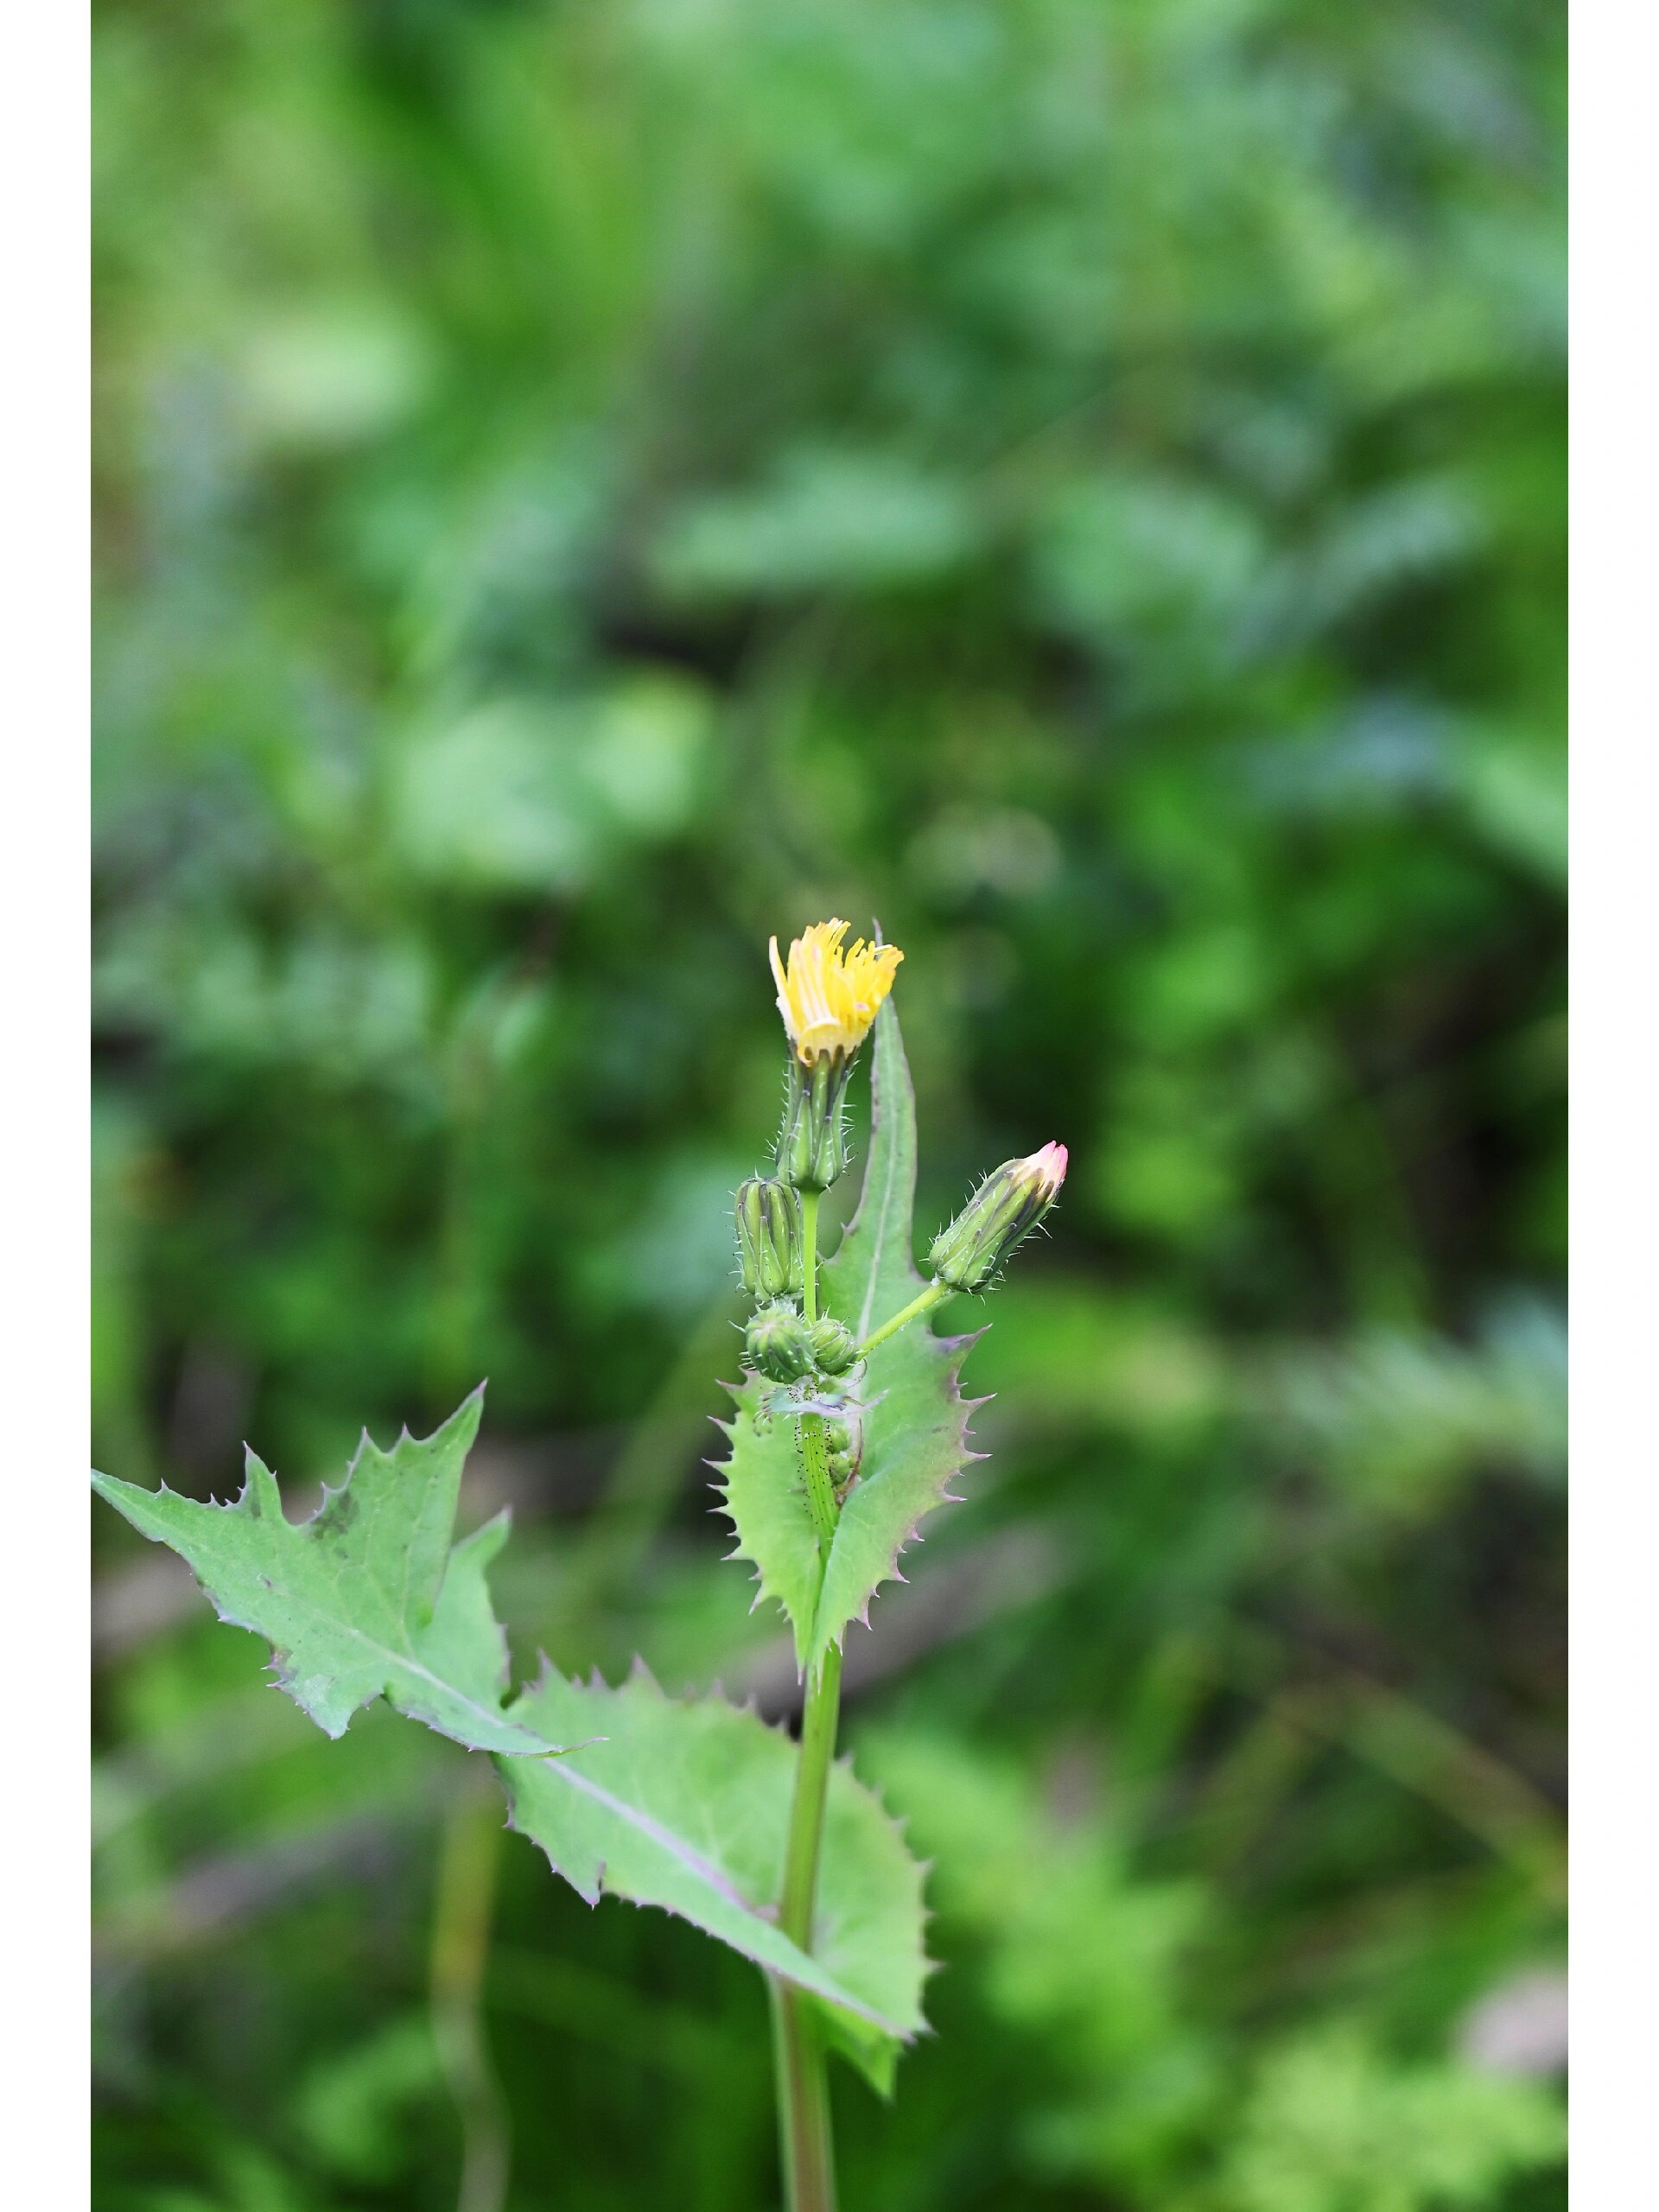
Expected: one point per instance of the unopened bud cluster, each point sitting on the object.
(782, 1344)
(1003, 1210)
(844, 1440)
(780, 1341)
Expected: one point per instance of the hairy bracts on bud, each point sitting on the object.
(1006, 1207)
(833, 1348)
(811, 1149)
(770, 1249)
(778, 1345)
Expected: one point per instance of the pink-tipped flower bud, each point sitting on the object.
(1006, 1207)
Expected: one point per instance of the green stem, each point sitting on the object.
(804, 2088)
(804, 2119)
(806, 2142)
(807, 1815)
(810, 1244)
(919, 1303)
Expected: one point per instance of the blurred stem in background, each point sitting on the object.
(646, 1481)
(478, 1043)
(469, 1850)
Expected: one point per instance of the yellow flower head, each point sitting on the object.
(827, 997)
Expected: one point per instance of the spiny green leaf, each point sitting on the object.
(686, 1806)
(764, 1495)
(916, 1421)
(365, 1599)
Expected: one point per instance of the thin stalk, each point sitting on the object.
(810, 1248)
(804, 2119)
(919, 1303)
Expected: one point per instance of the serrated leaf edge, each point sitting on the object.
(259, 1498)
(639, 1671)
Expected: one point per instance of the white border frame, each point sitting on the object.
(44, 1305)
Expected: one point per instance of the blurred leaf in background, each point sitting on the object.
(1080, 482)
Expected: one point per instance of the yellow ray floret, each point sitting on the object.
(827, 997)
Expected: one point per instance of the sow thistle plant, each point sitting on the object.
(849, 1425)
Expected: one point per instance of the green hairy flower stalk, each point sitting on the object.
(849, 1425)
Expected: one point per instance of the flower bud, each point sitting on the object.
(769, 1246)
(777, 1343)
(845, 1442)
(811, 1151)
(833, 1348)
(1007, 1206)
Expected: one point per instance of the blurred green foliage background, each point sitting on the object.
(581, 487)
